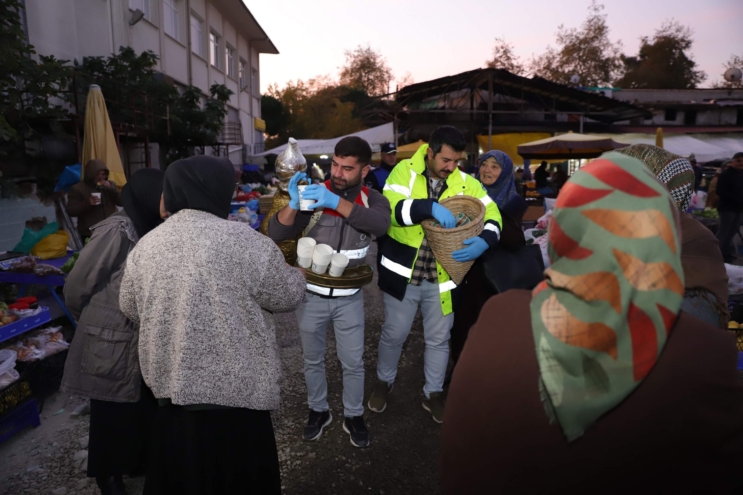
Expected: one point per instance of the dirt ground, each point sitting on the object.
(402, 458)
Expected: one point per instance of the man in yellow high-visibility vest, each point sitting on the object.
(409, 274)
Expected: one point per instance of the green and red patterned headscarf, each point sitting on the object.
(612, 293)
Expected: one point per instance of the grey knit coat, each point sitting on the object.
(204, 291)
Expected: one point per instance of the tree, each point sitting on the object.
(405, 80)
(663, 61)
(30, 89)
(129, 84)
(735, 61)
(183, 123)
(505, 58)
(275, 115)
(367, 70)
(586, 52)
(192, 126)
(316, 109)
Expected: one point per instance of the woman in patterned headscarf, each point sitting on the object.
(601, 383)
(705, 279)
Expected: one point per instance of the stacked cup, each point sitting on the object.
(321, 258)
(305, 250)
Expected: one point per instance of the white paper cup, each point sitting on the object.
(98, 196)
(304, 204)
(338, 264)
(319, 269)
(306, 247)
(304, 262)
(321, 258)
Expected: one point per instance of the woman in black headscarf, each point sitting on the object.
(204, 291)
(102, 363)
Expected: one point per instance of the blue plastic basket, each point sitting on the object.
(16, 420)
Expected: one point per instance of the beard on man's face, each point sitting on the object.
(343, 184)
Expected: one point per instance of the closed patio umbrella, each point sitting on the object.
(99, 141)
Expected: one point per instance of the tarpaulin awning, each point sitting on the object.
(706, 147)
(569, 146)
(375, 136)
(99, 141)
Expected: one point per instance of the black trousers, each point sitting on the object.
(213, 452)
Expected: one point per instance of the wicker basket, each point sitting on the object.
(443, 241)
(264, 203)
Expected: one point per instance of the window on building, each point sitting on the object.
(143, 5)
(690, 117)
(197, 36)
(214, 51)
(671, 115)
(242, 75)
(254, 88)
(170, 17)
(229, 60)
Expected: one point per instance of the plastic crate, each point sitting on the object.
(14, 394)
(19, 418)
(45, 376)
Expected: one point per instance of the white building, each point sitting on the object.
(198, 42)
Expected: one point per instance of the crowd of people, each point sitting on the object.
(611, 371)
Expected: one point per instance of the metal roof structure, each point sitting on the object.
(512, 94)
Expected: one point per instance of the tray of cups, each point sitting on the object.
(328, 269)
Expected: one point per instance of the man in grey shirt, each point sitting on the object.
(346, 215)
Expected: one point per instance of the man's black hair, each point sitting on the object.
(356, 147)
(446, 135)
(738, 155)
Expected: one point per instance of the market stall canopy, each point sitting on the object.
(99, 141)
(569, 146)
(509, 143)
(706, 147)
(374, 136)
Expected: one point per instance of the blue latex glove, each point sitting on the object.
(293, 190)
(475, 247)
(252, 204)
(443, 216)
(322, 196)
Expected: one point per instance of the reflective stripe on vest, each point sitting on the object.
(325, 291)
(486, 200)
(413, 175)
(493, 227)
(447, 286)
(396, 267)
(354, 254)
(398, 189)
(405, 212)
